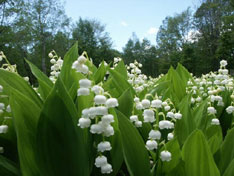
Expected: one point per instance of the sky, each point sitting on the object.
(123, 17)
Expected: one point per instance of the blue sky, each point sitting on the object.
(123, 17)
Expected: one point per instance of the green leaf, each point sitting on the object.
(183, 72)
(100, 73)
(120, 68)
(126, 103)
(135, 154)
(116, 143)
(230, 169)
(12, 80)
(45, 84)
(198, 157)
(200, 116)
(61, 151)
(178, 85)
(186, 124)
(7, 167)
(215, 138)
(26, 114)
(227, 151)
(39, 74)
(67, 71)
(174, 148)
(120, 82)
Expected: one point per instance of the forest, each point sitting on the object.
(197, 38)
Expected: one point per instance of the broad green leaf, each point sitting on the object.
(178, 85)
(186, 124)
(160, 88)
(7, 167)
(135, 154)
(230, 169)
(110, 86)
(39, 74)
(227, 151)
(61, 150)
(200, 115)
(126, 103)
(198, 157)
(214, 137)
(45, 84)
(120, 82)
(26, 114)
(64, 95)
(66, 71)
(178, 170)
(116, 143)
(174, 148)
(100, 73)
(12, 80)
(183, 72)
(121, 68)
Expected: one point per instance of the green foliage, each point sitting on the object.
(198, 157)
(135, 154)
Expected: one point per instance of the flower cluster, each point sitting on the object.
(97, 118)
(5, 111)
(210, 87)
(135, 77)
(57, 64)
(79, 65)
(162, 115)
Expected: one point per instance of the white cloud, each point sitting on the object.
(152, 31)
(123, 23)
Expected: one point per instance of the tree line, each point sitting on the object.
(198, 38)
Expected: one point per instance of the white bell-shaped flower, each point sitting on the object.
(85, 83)
(107, 119)
(83, 91)
(104, 146)
(138, 123)
(211, 110)
(100, 161)
(108, 131)
(99, 99)
(156, 104)
(215, 122)
(2, 106)
(170, 114)
(178, 115)
(151, 144)
(97, 90)
(84, 122)
(154, 134)
(165, 156)
(145, 103)
(3, 129)
(133, 118)
(96, 128)
(106, 169)
(230, 109)
(148, 115)
(112, 102)
(170, 136)
(165, 124)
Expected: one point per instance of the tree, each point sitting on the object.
(171, 37)
(208, 21)
(48, 17)
(93, 39)
(226, 41)
(142, 52)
